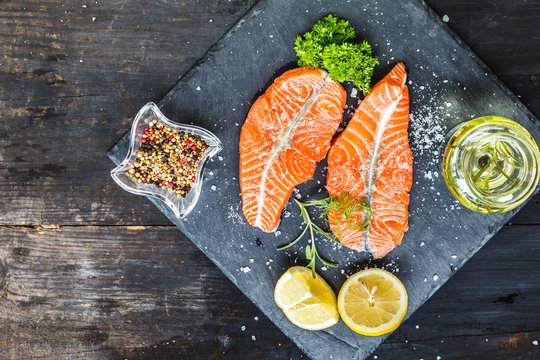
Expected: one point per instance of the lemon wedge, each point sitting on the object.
(372, 302)
(307, 302)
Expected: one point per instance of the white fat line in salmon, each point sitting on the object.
(282, 144)
(373, 170)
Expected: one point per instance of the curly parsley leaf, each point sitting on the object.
(326, 31)
(350, 62)
(329, 45)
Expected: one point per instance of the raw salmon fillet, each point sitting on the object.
(287, 131)
(371, 160)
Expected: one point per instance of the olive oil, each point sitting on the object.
(491, 164)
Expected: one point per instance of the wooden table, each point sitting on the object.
(90, 271)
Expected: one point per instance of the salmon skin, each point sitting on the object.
(371, 160)
(287, 131)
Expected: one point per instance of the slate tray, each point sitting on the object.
(448, 85)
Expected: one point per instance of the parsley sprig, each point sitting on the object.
(330, 45)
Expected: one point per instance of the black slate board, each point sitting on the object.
(448, 85)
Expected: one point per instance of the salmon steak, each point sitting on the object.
(287, 131)
(371, 161)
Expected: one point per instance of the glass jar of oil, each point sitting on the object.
(491, 164)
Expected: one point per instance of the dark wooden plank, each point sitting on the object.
(38, 36)
(71, 79)
(48, 97)
(440, 71)
(486, 311)
(123, 292)
(147, 293)
(515, 345)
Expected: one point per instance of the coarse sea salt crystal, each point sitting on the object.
(243, 328)
(435, 277)
(213, 187)
(253, 337)
(445, 18)
(245, 269)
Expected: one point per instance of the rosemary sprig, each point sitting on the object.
(344, 206)
(311, 250)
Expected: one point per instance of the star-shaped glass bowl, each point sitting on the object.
(180, 206)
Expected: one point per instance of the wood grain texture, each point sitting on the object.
(71, 85)
(59, 116)
(73, 292)
(72, 77)
(146, 292)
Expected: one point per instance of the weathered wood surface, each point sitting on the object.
(63, 296)
(145, 292)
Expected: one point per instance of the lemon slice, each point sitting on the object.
(372, 302)
(307, 302)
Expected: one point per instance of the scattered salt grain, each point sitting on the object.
(422, 243)
(445, 18)
(198, 88)
(93, 18)
(245, 269)
(213, 187)
(256, 318)
(243, 328)
(417, 327)
(253, 337)
(454, 256)
(425, 279)
(535, 342)
(85, 6)
(438, 357)
(210, 20)
(251, 260)
(277, 233)
(435, 277)
(220, 158)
